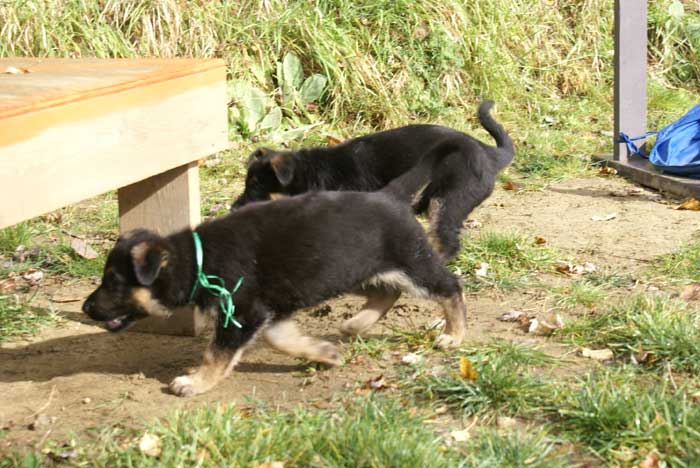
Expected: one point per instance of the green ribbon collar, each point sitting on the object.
(215, 285)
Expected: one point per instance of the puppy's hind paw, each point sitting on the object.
(184, 386)
(446, 341)
(327, 353)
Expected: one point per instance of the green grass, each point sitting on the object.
(532, 448)
(620, 416)
(388, 63)
(682, 265)
(579, 292)
(14, 236)
(655, 330)
(366, 433)
(18, 319)
(505, 383)
(512, 258)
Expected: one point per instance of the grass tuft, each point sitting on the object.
(620, 416)
(17, 319)
(682, 265)
(512, 260)
(653, 330)
(504, 382)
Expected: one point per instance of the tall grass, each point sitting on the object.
(390, 62)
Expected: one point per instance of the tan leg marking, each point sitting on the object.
(216, 366)
(284, 336)
(377, 305)
(455, 322)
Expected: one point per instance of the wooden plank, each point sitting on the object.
(641, 171)
(86, 147)
(630, 72)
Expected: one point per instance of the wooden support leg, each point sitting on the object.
(164, 203)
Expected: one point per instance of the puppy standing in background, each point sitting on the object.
(291, 253)
(464, 179)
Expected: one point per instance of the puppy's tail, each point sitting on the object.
(407, 184)
(503, 141)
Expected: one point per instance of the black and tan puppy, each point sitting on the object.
(292, 253)
(368, 163)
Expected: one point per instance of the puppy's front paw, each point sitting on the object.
(446, 341)
(328, 354)
(185, 386)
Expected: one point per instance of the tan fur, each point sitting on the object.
(216, 366)
(284, 336)
(397, 279)
(277, 196)
(276, 161)
(139, 251)
(377, 305)
(455, 322)
(144, 299)
(434, 209)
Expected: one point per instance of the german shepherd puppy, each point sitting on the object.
(368, 163)
(292, 253)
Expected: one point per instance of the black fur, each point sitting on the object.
(465, 179)
(292, 253)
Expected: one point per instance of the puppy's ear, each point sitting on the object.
(257, 154)
(284, 168)
(148, 258)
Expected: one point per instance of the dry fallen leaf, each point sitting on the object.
(466, 369)
(483, 269)
(272, 464)
(150, 445)
(691, 292)
(16, 71)
(509, 185)
(606, 171)
(460, 436)
(333, 140)
(33, 276)
(572, 269)
(651, 461)
(534, 325)
(504, 422)
(510, 316)
(691, 204)
(597, 354)
(472, 224)
(82, 248)
(411, 358)
(548, 326)
(607, 217)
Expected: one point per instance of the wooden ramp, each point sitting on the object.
(72, 129)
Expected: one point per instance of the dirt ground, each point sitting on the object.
(82, 377)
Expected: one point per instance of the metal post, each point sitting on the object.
(630, 72)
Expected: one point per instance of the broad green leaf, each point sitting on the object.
(251, 103)
(272, 120)
(312, 88)
(292, 72)
(676, 10)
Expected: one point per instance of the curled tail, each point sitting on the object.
(413, 180)
(503, 140)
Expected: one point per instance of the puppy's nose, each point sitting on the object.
(88, 305)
